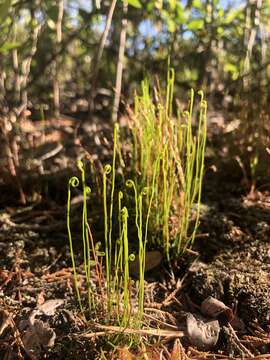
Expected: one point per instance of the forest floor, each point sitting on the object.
(230, 261)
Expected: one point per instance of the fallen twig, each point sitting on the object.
(151, 332)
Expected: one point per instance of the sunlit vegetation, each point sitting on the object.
(135, 167)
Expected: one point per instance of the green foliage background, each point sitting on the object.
(209, 44)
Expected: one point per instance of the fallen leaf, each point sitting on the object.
(152, 260)
(237, 323)
(41, 298)
(202, 332)
(48, 308)
(37, 336)
(214, 308)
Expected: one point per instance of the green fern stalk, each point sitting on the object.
(73, 182)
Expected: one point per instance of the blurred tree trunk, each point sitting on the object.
(26, 63)
(21, 68)
(95, 64)
(56, 64)
(15, 64)
(16, 98)
(252, 22)
(205, 72)
(121, 56)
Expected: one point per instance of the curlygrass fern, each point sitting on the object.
(85, 238)
(141, 242)
(168, 161)
(169, 157)
(126, 312)
(107, 171)
(73, 182)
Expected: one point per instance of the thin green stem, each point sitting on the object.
(73, 182)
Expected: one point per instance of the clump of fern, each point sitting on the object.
(168, 157)
(113, 290)
(164, 196)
